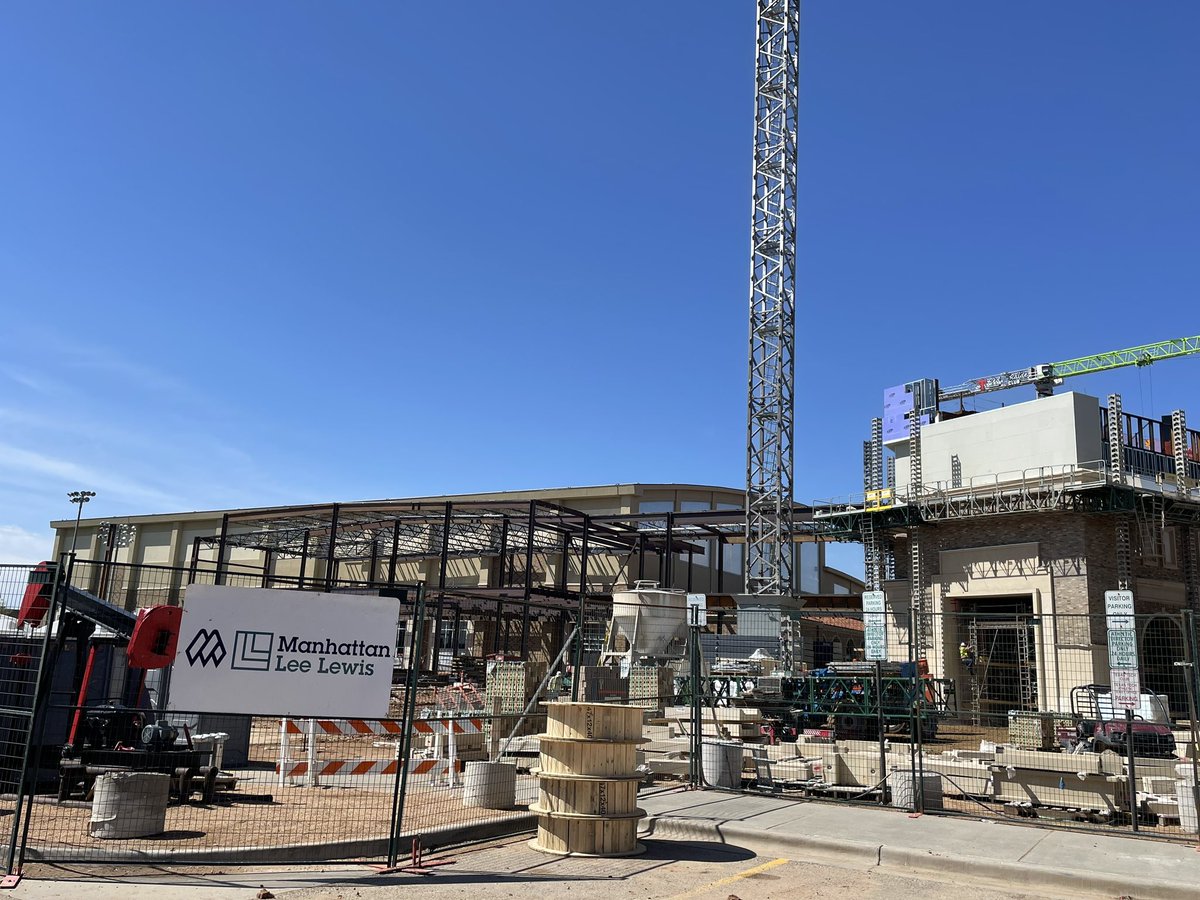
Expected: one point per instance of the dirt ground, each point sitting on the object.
(292, 815)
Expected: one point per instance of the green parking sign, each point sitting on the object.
(1122, 649)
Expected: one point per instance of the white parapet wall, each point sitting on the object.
(1051, 432)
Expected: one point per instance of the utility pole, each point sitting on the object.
(769, 457)
(79, 498)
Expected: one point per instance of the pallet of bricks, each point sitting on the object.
(651, 687)
(507, 689)
(1039, 730)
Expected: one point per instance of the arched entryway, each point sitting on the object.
(1161, 646)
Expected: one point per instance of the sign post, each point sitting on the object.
(875, 650)
(697, 617)
(1123, 677)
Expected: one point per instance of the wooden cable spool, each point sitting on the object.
(587, 797)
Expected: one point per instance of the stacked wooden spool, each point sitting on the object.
(587, 799)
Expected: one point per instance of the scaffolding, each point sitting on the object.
(1005, 671)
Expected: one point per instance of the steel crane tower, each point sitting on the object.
(769, 457)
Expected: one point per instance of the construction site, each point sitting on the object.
(1023, 644)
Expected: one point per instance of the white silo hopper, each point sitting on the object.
(652, 620)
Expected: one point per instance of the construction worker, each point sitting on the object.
(966, 654)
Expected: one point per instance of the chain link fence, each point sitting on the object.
(1002, 713)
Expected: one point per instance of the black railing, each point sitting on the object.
(1147, 446)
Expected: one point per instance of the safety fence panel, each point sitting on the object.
(114, 786)
(27, 593)
(1004, 713)
(481, 718)
(1061, 721)
(791, 706)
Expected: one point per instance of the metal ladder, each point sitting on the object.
(1179, 452)
(1025, 671)
(872, 485)
(976, 680)
(1150, 529)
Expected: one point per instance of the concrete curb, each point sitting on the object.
(322, 851)
(760, 841)
(993, 872)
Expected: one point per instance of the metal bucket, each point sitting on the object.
(722, 763)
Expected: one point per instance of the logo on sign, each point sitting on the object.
(206, 647)
(252, 651)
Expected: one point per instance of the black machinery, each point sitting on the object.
(119, 731)
(846, 699)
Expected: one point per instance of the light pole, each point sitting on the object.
(79, 498)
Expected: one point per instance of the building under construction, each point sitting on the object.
(506, 571)
(996, 534)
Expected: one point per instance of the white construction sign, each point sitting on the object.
(874, 626)
(1123, 676)
(284, 653)
(697, 606)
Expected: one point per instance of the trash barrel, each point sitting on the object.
(490, 785)
(722, 763)
(129, 805)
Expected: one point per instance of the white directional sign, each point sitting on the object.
(1122, 649)
(1126, 688)
(1118, 609)
(874, 625)
(697, 605)
(284, 653)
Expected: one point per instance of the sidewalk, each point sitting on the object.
(1020, 857)
(970, 852)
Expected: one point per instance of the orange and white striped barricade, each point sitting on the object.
(310, 769)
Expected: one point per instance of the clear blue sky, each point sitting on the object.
(281, 252)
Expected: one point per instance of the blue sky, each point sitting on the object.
(286, 252)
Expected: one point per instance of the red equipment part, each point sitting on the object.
(36, 602)
(83, 689)
(155, 637)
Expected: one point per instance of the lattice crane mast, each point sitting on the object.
(769, 458)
